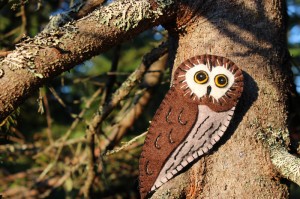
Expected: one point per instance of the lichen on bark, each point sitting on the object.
(133, 12)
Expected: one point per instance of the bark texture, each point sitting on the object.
(251, 34)
(37, 60)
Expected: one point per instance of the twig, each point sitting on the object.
(23, 25)
(74, 124)
(48, 115)
(127, 86)
(111, 79)
(127, 144)
(89, 6)
(150, 80)
(86, 190)
(105, 110)
(68, 133)
(57, 97)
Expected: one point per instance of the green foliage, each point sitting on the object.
(67, 108)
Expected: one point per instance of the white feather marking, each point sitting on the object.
(224, 99)
(169, 176)
(223, 128)
(205, 149)
(158, 184)
(226, 65)
(179, 167)
(208, 63)
(164, 180)
(191, 93)
(218, 62)
(174, 172)
(229, 117)
(220, 132)
(190, 159)
(186, 93)
(187, 66)
(199, 153)
(184, 163)
(195, 155)
(181, 75)
(212, 142)
(194, 98)
(184, 85)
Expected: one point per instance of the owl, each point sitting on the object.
(192, 117)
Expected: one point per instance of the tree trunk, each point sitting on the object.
(251, 34)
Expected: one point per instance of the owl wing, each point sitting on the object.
(170, 126)
(207, 130)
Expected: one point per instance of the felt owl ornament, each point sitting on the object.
(193, 116)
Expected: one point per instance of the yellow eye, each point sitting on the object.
(221, 80)
(201, 77)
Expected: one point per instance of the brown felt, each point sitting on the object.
(166, 132)
(177, 116)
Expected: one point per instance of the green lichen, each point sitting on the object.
(127, 14)
(288, 165)
(23, 57)
(273, 136)
(277, 140)
(63, 18)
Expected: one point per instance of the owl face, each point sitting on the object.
(202, 81)
(209, 80)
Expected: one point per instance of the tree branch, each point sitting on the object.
(286, 164)
(37, 60)
(150, 80)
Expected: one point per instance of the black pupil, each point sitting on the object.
(201, 76)
(222, 80)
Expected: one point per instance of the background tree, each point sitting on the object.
(56, 155)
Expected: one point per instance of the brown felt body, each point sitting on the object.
(166, 132)
(177, 117)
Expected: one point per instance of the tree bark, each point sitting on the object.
(35, 61)
(251, 34)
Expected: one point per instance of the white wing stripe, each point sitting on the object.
(208, 129)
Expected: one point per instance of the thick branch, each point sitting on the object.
(286, 164)
(37, 60)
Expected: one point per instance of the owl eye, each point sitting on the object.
(201, 77)
(221, 80)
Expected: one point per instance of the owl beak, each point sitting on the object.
(208, 90)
